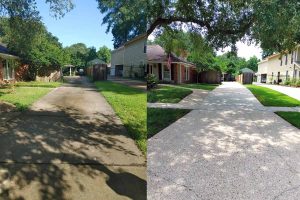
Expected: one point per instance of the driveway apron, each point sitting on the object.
(70, 145)
(231, 147)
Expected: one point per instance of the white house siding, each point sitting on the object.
(132, 56)
(135, 58)
(271, 66)
(117, 58)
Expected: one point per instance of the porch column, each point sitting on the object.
(70, 71)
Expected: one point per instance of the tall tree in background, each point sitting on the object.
(91, 55)
(78, 53)
(104, 54)
(252, 63)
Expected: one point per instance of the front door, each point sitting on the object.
(166, 73)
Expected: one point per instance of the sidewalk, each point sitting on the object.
(231, 147)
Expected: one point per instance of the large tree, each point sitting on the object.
(274, 24)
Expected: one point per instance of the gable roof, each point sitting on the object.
(137, 38)
(155, 53)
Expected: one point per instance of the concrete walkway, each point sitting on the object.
(290, 91)
(229, 148)
(70, 145)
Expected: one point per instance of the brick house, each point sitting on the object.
(180, 71)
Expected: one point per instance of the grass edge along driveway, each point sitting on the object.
(291, 117)
(167, 94)
(202, 86)
(130, 105)
(269, 97)
(26, 93)
(160, 118)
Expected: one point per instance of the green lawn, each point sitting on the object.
(160, 118)
(22, 97)
(38, 84)
(201, 86)
(130, 105)
(269, 97)
(166, 94)
(291, 117)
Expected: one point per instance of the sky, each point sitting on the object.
(82, 24)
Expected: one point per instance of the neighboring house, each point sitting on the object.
(180, 71)
(129, 60)
(8, 64)
(277, 68)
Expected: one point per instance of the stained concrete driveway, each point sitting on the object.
(229, 148)
(70, 145)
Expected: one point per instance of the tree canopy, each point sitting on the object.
(274, 24)
(31, 41)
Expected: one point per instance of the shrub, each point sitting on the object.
(151, 81)
(287, 82)
(298, 83)
(293, 82)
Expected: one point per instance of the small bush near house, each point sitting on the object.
(287, 82)
(151, 81)
(294, 82)
(298, 83)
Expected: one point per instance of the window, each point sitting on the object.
(8, 70)
(286, 59)
(292, 57)
(281, 61)
(187, 75)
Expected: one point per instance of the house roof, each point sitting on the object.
(4, 53)
(246, 70)
(96, 62)
(3, 49)
(155, 53)
(141, 36)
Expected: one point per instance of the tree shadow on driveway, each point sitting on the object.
(60, 155)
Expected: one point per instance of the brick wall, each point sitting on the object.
(21, 73)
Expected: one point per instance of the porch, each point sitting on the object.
(177, 73)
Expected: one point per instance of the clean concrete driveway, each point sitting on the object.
(290, 91)
(70, 145)
(230, 148)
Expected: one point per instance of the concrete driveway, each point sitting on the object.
(70, 145)
(230, 148)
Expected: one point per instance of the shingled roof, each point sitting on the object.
(155, 53)
(3, 49)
